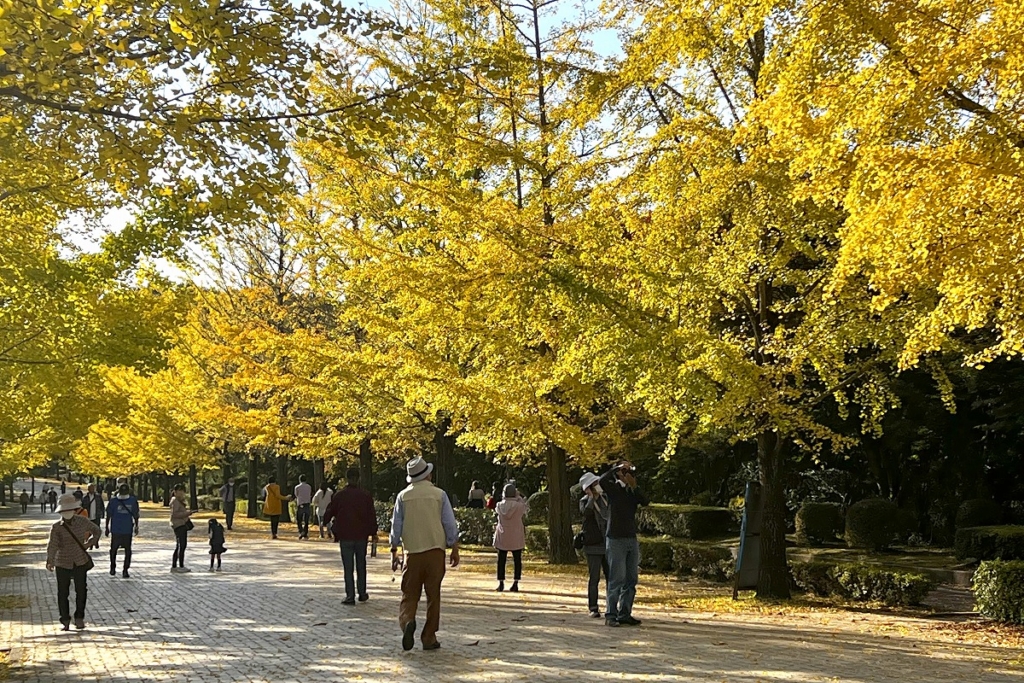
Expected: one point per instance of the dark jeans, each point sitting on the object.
(181, 536)
(595, 564)
(229, 513)
(24, 508)
(274, 521)
(302, 513)
(323, 526)
(353, 556)
(64, 579)
(517, 563)
(118, 541)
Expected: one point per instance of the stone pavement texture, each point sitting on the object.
(275, 615)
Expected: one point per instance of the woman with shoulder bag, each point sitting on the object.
(594, 506)
(67, 555)
(181, 522)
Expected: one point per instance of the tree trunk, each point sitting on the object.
(32, 496)
(3, 493)
(253, 485)
(145, 487)
(444, 457)
(167, 490)
(193, 497)
(773, 576)
(282, 481)
(560, 550)
(366, 464)
(318, 473)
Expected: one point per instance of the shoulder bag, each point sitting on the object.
(89, 563)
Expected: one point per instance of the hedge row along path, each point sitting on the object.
(275, 614)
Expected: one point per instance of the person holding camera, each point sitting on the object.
(622, 547)
(594, 507)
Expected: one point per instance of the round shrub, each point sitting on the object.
(978, 512)
(818, 524)
(537, 539)
(538, 513)
(999, 590)
(871, 524)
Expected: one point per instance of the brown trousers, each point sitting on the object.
(423, 572)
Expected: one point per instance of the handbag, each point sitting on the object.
(578, 541)
(89, 563)
(189, 526)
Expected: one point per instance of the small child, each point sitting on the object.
(216, 534)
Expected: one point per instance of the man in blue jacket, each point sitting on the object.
(122, 522)
(623, 549)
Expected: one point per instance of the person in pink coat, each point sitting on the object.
(510, 534)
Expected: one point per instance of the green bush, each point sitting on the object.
(656, 554)
(871, 524)
(708, 562)
(999, 590)
(537, 538)
(209, 503)
(978, 512)
(818, 523)
(860, 582)
(538, 513)
(685, 521)
(384, 512)
(990, 543)
(703, 499)
(476, 526)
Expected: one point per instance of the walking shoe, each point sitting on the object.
(364, 597)
(348, 601)
(610, 621)
(409, 635)
(514, 588)
(113, 572)
(65, 625)
(218, 568)
(125, 574)
(79, 624)
(432, 646)
(629, 621)
(184, 570)
(174, 570)
(211, 568)
(501, 586)
(595, 613)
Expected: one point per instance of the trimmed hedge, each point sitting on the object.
(978, 512)
(476, 526)
(656, 554)
(707, 562)
(384, 512)
(818, 523)
(999, 590)
(871, 524)
(990, 543)
(861, 582)
(537, 538)
(686, 521)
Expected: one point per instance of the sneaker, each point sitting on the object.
(113, 572)
(409, 635)
(348, 601)
(211, 569)
(364, 597)
(174, 570)
(629, 621)
(184, 570)
(433, 646)
(217, 569)
(614, 623)
(595, 613)
(125, 574)
(79, 624)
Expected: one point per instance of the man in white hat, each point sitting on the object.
(66, 554)
(424, 523)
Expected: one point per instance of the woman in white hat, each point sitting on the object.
(594, 506)
(66, 553)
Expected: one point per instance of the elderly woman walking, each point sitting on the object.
(66, 554)
(510, 535)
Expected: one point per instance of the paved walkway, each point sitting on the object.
(275, 615)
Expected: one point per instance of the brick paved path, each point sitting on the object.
(275, 615)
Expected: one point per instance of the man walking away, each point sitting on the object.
(424, 523)
(44, 498)
(355, 520)
(303, 500)
(92, 503)
(623, 549)
(321, 501)
(23, 499)
(53, 500)
(122, 521)
(227, 498)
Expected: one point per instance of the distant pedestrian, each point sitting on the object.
(273, 504)
(622, 546)
(424, 523)
(227, 499)
(92, 503)
(477, 496)
(495, 498)
(52, 498)
(79, 494)
(303, 503)
(66, 553)
(354, 520)
(321, 501)
(122, 523)
(510, 535)
(594, 507)
(181, 522)
(63, 487)
(44, 498)
(217, 548)
(23, 499)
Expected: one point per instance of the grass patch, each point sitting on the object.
(13, 602)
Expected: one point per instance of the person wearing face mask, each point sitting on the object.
(594, 506)
(622, 546)
(227, 497)
(182, 524)
(122, 519)
(67, 555)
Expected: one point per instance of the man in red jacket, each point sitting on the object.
(355, 520)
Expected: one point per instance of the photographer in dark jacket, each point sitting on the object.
(622, 547)
(594, 506)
